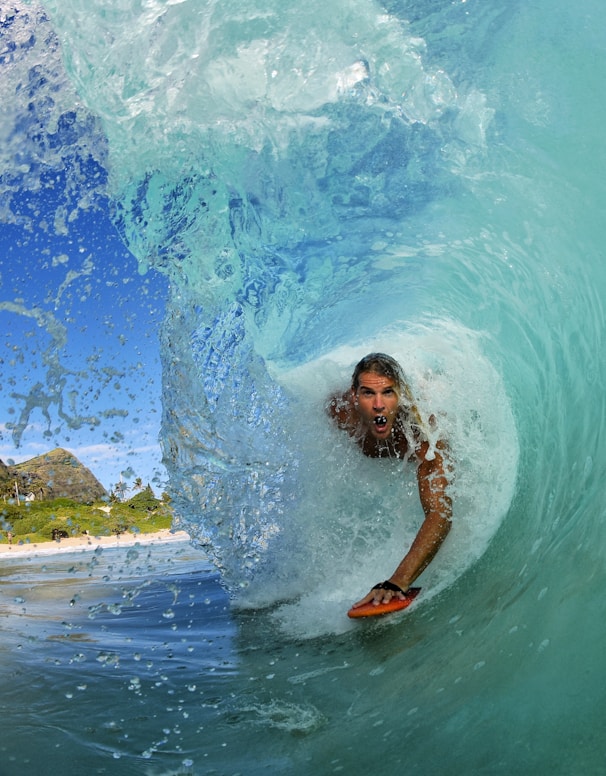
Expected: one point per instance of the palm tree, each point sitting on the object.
(120, 489)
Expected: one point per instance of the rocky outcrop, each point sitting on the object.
(57, 474)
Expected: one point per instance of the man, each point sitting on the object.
(379, 414)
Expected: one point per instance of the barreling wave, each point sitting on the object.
(316, 181)
(267, 160)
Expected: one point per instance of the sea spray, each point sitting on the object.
(265, 160)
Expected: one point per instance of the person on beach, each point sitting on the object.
(379, 414)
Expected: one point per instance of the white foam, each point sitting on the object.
(359, 515)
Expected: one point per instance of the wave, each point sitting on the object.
(314, 181)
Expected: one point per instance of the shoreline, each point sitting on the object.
(90, 543)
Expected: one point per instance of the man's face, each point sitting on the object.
(377, 403)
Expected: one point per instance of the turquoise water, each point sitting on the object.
(314, 182)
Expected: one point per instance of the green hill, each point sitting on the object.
(59, 497)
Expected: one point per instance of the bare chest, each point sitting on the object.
(396, 446)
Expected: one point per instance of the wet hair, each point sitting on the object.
(380, 364)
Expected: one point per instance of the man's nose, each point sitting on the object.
(378, 403)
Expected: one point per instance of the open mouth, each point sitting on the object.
(380, 421)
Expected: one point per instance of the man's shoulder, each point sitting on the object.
(340, 410)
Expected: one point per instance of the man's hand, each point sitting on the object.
(382, 594)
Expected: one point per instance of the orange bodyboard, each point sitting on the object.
(395, 605)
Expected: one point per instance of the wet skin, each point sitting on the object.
(369, 413)
(376, 401)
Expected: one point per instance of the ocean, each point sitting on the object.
(315, 181)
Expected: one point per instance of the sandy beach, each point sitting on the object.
(78, 543)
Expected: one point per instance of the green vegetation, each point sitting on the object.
(41, 521)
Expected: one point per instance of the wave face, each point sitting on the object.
(315, 180)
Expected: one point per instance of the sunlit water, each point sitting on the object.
(316, 181)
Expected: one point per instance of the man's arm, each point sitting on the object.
(437, 506)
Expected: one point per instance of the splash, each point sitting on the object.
(269, 161)
(56, 254)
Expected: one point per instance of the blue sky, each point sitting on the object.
(79, 362)
(79, 343)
